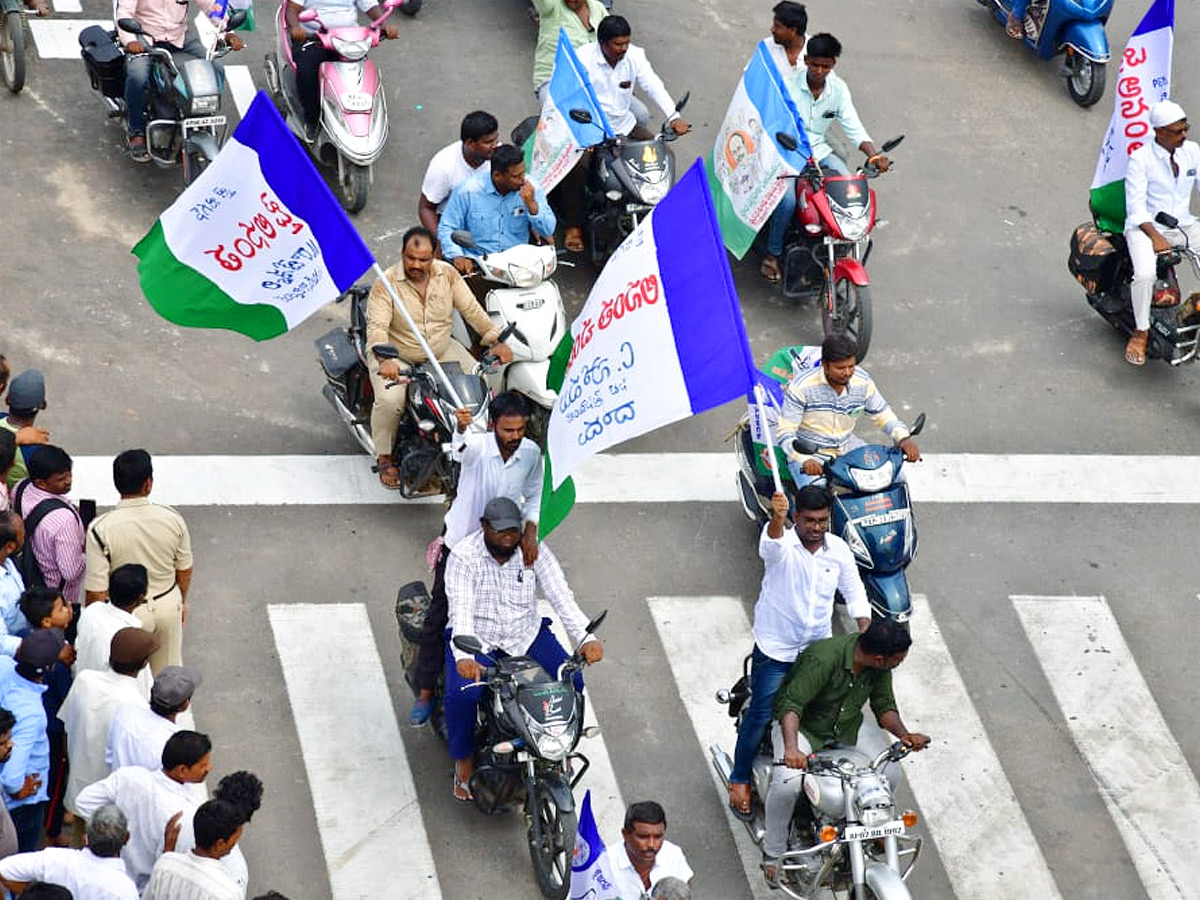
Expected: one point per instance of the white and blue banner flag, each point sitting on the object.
(591, 874)
(661, 337)
(559, 141)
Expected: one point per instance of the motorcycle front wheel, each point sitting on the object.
(850, 312)
(12, 50)
(551, 844)
(1086, 81)
(352, 191)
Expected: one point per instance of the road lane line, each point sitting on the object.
(365, 800)
(59, 38)
(67, 6)
(277, 480)
(705, 640)
(1137, 765)
(241, 85)
(607, 806)
(966, 799)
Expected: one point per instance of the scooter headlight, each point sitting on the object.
(351, 50)
(871, 480)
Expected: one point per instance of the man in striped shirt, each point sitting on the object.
(823, 406)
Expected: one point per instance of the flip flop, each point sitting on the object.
(573, 240)
(1135, 350)
(770, 270)
(389, 476)
(744, 815)
(770, 869)
(465, 788)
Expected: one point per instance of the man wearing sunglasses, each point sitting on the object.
(1160, 178)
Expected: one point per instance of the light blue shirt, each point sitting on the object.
(815, 114)
(13, 624)
(497, 222)
(31, 746)
(336, 13)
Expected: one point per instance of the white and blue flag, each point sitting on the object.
(591, 875)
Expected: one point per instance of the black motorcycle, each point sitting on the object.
(1100, 262)
(184, 125)
(421, 451)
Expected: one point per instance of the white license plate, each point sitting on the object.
(204, 121)
(356, 102)
(871, 832)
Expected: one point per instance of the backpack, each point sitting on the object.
(26, 560)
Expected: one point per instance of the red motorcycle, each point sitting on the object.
(826, 248)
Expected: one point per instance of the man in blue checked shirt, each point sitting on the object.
(501, 208)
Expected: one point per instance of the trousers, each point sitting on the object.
(430, 656)
(1145, 267)
(163, 617)
(390, 401)
(137, 77)
(308, 56)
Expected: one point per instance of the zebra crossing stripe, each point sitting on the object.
(59, 38)
(705, 640)
(353, 710)
(1140, 771)
(966, 800)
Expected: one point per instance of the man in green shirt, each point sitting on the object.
(821, 703)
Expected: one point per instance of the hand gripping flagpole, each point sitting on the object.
(433, 360)
(761, 412)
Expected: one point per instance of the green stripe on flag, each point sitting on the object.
(737, 235)
(182, 295)
(556, 504)
(1108, 206)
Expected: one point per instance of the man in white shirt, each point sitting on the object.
(244, 791)
(500, 462)
(101, 619)
(151, 798)
(614, 66)
(1160, 178)
(138, 733)
(786, 45)
(479, 135)
(95, 872)
(804, 566)
(198, 874)
(645, 856)
(92, 702)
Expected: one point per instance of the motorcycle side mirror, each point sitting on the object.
(468, 643)
(235, 20)
(133, 26)
(1164, 218)
(889, 146)
(463, 238)
(582, 116)
(786, 141)
(918, 425)
(682, 102)
(308, 15)
(595, 624)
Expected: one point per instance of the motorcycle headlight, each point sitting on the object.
(553, 742)
(351, 50)
(205, 106)
(653, 191)
(853, 229)
(873, 804)
(871, 480)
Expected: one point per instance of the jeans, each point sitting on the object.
(766, 676)
(28, 821)
(137, 77)
(785, 212)
(459, 706)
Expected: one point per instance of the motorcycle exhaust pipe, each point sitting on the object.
(721, 763)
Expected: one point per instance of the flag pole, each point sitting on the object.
(760, 411)
(433, 360)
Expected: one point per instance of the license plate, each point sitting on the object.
(871, 832)
(204, 122)
(356, 102)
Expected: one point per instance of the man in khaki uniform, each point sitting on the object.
(431, 290)
(138, 531)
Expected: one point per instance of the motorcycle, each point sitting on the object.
(12, 44)
(422, 447)
(872, 510)
(826, 248)
(844, 834)
(354, 121)
(1074, 28)
(529, 312)
(184, 122)
(1100, 262)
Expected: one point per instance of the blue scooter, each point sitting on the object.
(1074, 28)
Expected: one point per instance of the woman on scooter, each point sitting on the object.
(309, 53)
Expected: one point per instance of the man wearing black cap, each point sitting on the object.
(26, 398)
(494, 597)
(138, 734)
(25, 775)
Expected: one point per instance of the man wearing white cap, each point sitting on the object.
(1160, 178)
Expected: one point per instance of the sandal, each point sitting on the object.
(770, 868)
(1135, 350)
(1013, 28)
(137, 148)
(770, 270)
(462, 791)
(573, 239)
(742, 811)
(389, 474)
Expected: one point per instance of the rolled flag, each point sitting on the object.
(749, 166)
(591, 874)
(783, 365)
(559, 140)
(1143, 79)
(257, 243)
(660, 338)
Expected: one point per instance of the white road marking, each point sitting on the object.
(657, 478)
(966, 799)
(59, 38)
(67, 6)
(353, 710)
(241, 85)
(607, 806)
(705, 640)
(1137, 765)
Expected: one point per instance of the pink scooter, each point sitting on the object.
(354, 122)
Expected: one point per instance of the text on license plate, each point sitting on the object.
(204, 121)
(871, 832)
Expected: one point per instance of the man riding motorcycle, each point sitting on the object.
(166, 21)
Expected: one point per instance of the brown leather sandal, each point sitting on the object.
(1135, 350)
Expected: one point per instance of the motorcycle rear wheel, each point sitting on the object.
(851, 313)
(1086, 83)
(551, 844)
(12, 50)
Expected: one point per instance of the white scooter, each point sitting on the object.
(354, 120)
(529, 312)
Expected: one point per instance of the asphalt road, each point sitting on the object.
(977, 323)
